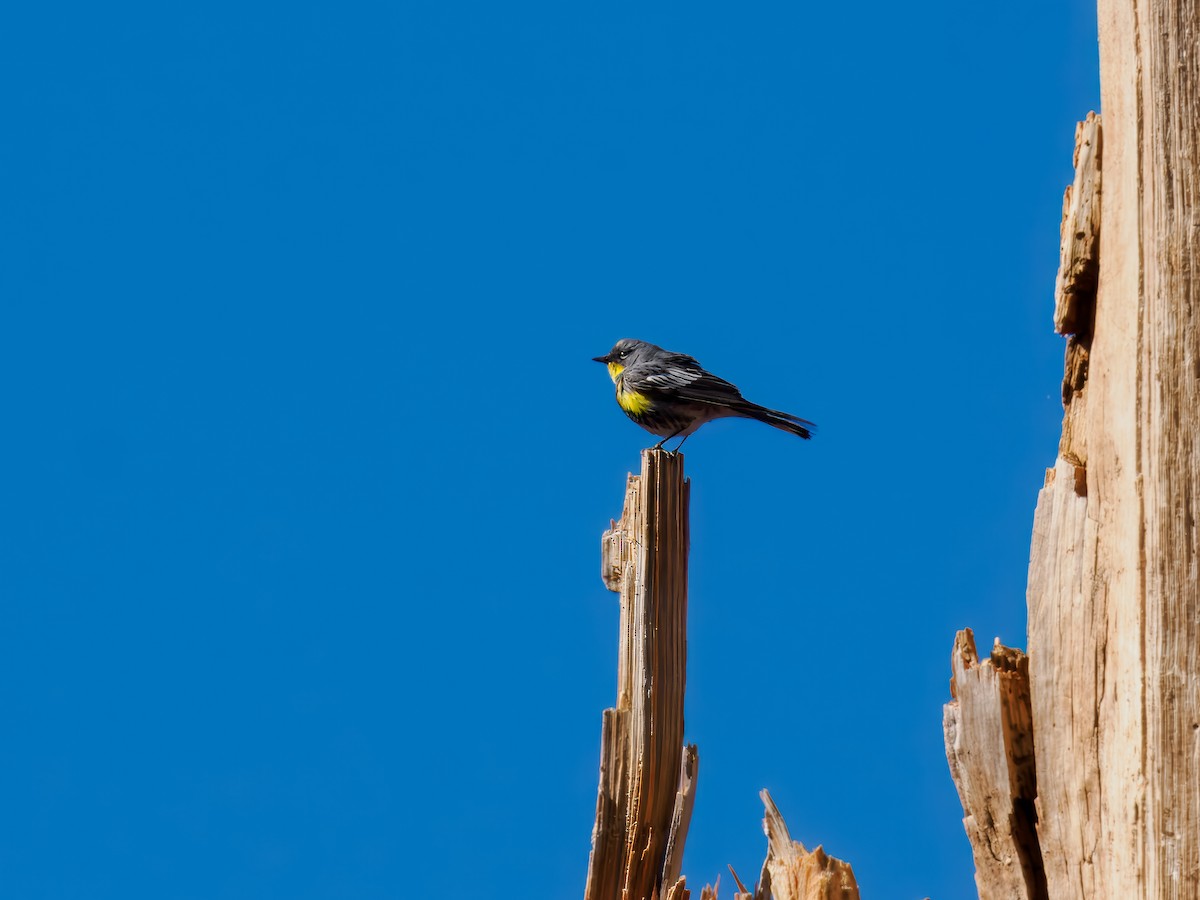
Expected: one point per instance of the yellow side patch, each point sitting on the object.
(615, 369)
(632, 402)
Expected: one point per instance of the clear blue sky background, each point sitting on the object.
(307, 463)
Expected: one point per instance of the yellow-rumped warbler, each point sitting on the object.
(671, 395)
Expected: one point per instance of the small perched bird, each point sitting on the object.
(671, 395)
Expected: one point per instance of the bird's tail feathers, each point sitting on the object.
(784, 421)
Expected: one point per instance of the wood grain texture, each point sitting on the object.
(1076, 284)
(1079, 236)
(988, 728)
(1114, 580)
(791, 872)
(1168, 35)
(647, 776)
(685, 800)
(1114, 570)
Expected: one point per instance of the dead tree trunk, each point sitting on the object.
(1114, 575)
(647, 776)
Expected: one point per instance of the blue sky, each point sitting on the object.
(308, 462)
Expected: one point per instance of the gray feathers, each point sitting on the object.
(670, 394)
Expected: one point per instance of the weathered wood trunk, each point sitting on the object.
(1114, 576)
(989, 744)
(647, 777)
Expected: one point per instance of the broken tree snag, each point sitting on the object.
(1114, 584)
(792, 873)
(989, 744)
(647, 776)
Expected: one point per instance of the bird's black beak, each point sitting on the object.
(602, 359)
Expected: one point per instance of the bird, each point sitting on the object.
(671, 395)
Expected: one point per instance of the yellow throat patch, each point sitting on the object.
(632, 402)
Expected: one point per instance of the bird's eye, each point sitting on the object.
(623, 354)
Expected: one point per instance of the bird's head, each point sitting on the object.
(625, 352)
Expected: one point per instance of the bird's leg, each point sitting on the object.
(679, 446)
(659, 445)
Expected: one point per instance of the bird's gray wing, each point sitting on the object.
(681, 377)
